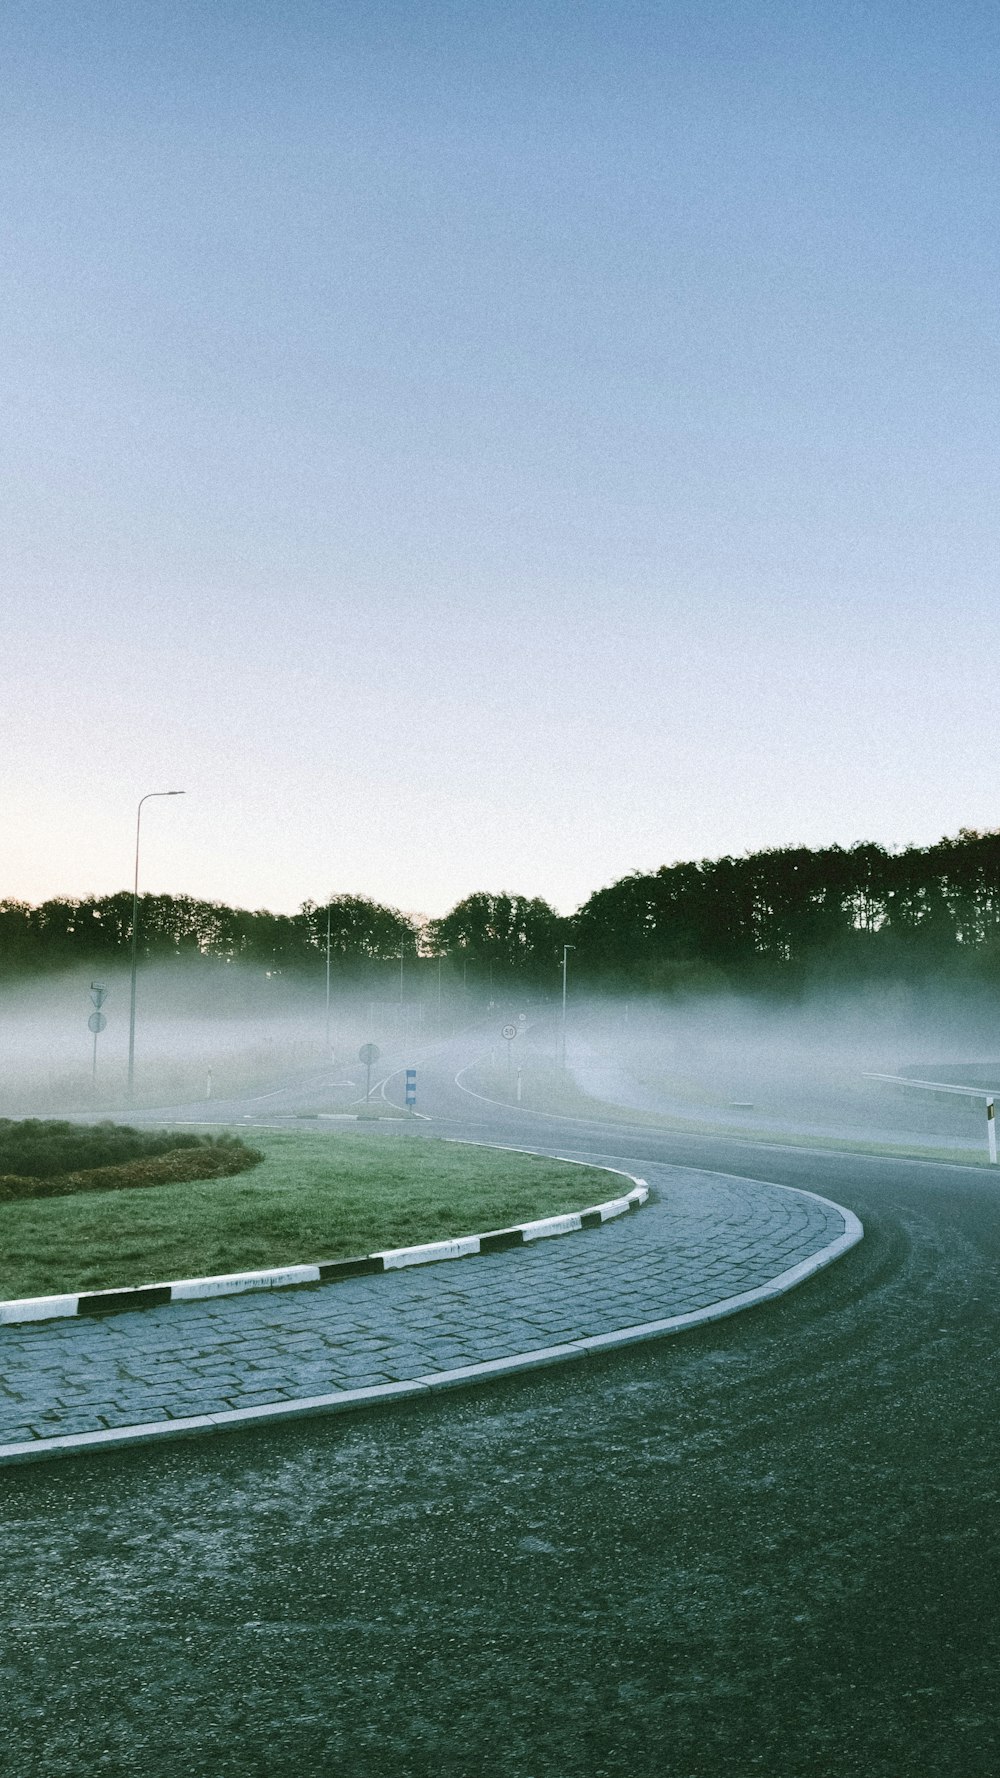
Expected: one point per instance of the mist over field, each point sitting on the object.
(784, 1066)
(201, 1032)
(757, 991)
(754, 1063)
(769, 1067)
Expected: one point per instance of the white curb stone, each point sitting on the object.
(151, 1296)
(463, 1376)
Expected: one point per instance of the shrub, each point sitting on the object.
(51, 1159)
(38, 1149)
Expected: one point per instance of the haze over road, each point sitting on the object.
(768, 1546)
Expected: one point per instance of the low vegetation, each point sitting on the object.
(314, 1196)
(47, 1158)
(40, 1148)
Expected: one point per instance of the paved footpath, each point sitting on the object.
(702, 1239)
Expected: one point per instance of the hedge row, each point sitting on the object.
(219, 1160)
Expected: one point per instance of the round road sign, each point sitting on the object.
(509, 1031)
(96, 1022)
(369, 1053)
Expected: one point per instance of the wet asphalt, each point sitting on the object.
(769, 1546)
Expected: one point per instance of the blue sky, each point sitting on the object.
(479, 447)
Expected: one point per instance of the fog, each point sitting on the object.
(200, 1033)
(765, 1066)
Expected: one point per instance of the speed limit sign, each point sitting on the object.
(510, 1032)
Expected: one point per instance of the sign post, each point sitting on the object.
(509, 1032)
(368, 1054)
(97, 1022)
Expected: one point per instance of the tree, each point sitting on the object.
(360, 930)
(517, 935)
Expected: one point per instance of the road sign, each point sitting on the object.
(411, 1086)
(96, 1022)
(368, 1054)
(510, 1032)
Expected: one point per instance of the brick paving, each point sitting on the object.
(704, 1237)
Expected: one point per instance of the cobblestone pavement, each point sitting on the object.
(704, 1237)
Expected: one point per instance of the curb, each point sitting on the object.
(350, 1400)
(153, 1296)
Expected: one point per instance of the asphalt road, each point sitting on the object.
(770, 1546)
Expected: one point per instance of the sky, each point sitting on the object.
(492, 447)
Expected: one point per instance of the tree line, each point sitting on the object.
(793, 913)
(97, 929)
(778, 915)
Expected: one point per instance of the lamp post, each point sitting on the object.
(566, 951)
(135, 932)
(328, 977)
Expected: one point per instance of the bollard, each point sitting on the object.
(208, 1084)
(991, 1131)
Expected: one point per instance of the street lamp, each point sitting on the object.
(566, 951)
(135, 932)
(328, 977)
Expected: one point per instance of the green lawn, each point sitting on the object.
(314, 1197)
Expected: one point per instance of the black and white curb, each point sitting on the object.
(332, 1271)
(341, 1401)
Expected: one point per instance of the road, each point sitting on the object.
(770, 1546)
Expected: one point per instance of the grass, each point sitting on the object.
(313, 1197)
